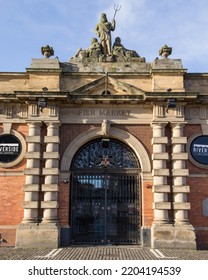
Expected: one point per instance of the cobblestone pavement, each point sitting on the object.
(101, 253)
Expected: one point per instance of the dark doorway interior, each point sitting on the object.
(105, 194)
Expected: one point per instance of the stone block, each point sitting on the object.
(167, 236)
(164, 235)
(181, 189)
(180, 172)
(146, 237)
(161, 189)
(51, 139)
(167, 64)
(180, 156)
(181, 206)
(32, 171)
(51, 155)
(162, 205)
(160, 172)
(38, 236)
(50, 171)
(33, 139)
(49, 204)
(179, 140)
(44, 63)
(50, 188)
(33, 155)
(158, 156)
(160, 140)
(31, 188)
(30, 204)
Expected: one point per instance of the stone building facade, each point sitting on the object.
(104, 152)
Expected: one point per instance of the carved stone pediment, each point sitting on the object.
(107, 85)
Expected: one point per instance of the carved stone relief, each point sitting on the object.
(196, 113)
(14, 111)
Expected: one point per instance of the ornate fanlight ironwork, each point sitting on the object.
(103, 153)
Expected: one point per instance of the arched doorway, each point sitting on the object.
(105, 194)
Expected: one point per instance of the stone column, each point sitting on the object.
(51, 173)
(184, 235)
(160, 173)
(47, 233)
(179, 174)
(32, 172)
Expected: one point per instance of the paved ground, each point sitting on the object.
(101, 253)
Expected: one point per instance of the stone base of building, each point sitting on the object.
(38, 236)
(169, 236)
(146, 237)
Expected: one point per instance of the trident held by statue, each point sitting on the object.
(116, 9)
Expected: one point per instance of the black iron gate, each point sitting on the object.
(105, 204)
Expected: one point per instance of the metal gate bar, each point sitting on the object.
(106, 208)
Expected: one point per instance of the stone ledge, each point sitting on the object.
(162, 205)
(32, 171)
(51, 155)
(179, 140)
(181, 189)
(162, 156)
(8, 173)
(30, 204)
(50, 188)
(31, 188)
(181, 206)
(33, 139)
(50, 171)
(160, 172)
(51, 139)
(180, 156)
(49, 204)
(161, 189)
(33, 155)
(44, 63)
(159, 140)
(167, 64)
(180, 172)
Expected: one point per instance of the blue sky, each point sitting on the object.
(66, 25)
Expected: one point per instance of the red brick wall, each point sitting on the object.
(202, 239)
(64, 198)
(147, 202)
(11, 196)
(69, 132)
(8, 235)
(142, 132)
(196, 196)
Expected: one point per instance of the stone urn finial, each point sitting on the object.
(47, 51)
(165, 51)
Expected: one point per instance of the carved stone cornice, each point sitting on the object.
(35, 95)
(179, 96)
